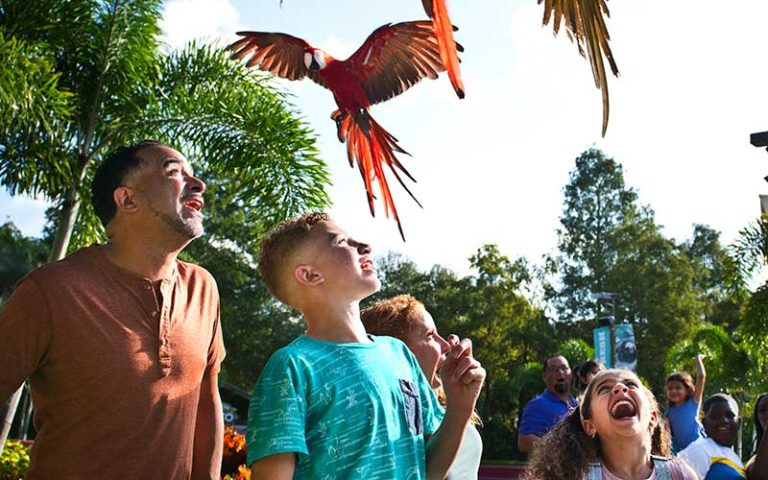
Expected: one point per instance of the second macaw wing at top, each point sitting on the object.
(438, 12)
(278, 53)
(585, 23)
(395, 57)
(428, 8)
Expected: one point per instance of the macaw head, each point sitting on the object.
(315, 59)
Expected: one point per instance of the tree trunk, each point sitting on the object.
(11, 405)
(67, 218)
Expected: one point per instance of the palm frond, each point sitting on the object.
(33, 108)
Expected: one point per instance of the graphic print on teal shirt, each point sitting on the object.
(350, 410)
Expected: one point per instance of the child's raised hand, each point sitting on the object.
(462, 375)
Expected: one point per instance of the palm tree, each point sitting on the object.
(81, 77)
(750, 253)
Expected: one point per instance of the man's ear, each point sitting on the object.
(306, 275)
(125, 199)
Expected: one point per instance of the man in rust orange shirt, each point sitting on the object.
(121, 342)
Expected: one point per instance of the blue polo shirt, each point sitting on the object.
(543, 412)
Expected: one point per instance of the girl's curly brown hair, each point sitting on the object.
(566, 451)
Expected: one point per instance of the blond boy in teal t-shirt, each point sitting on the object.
(319, 395)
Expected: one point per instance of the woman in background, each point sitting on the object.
(405, 318)
(585, 372)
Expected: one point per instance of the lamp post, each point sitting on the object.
(608, 300)
(760, 139)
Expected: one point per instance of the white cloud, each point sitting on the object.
(205, 20)
(338, 48)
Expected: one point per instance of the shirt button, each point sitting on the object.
(147, 287)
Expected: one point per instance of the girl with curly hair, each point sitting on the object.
(615, 434)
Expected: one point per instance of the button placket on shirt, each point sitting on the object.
(165, 327)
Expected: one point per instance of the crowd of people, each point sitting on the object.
(618, 430)
(122, 346)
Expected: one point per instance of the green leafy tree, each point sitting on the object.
(596, 202)
(18, 256)
(611, 243)
(728, 364)
(577, 351)
(110, 85)
(655, 282)
(750, 253)
(716, 277)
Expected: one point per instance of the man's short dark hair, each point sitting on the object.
(111, 175)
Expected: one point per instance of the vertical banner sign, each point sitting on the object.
(626, 350)
(602, 338)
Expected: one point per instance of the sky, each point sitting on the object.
(491, 168)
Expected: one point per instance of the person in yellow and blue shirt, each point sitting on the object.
(712, 457)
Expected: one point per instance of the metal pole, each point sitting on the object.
(26, 414)
(12, 403)
(613, 332)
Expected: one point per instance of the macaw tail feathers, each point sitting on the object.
(446, 44)
(372, 147)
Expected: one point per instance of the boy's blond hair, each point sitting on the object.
(279, 247)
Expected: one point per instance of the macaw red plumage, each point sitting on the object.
(392, 59)
(437, 10)
(585, 24)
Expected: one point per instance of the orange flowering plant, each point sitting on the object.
(233, 461)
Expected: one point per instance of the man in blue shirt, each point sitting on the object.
(544, 411)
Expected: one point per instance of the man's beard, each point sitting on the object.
(561, 387)
(188, 228)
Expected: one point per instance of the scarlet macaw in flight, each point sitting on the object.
(585, 23)
(392, 59)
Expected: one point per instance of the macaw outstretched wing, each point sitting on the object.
(278, 53)
(395, 57)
